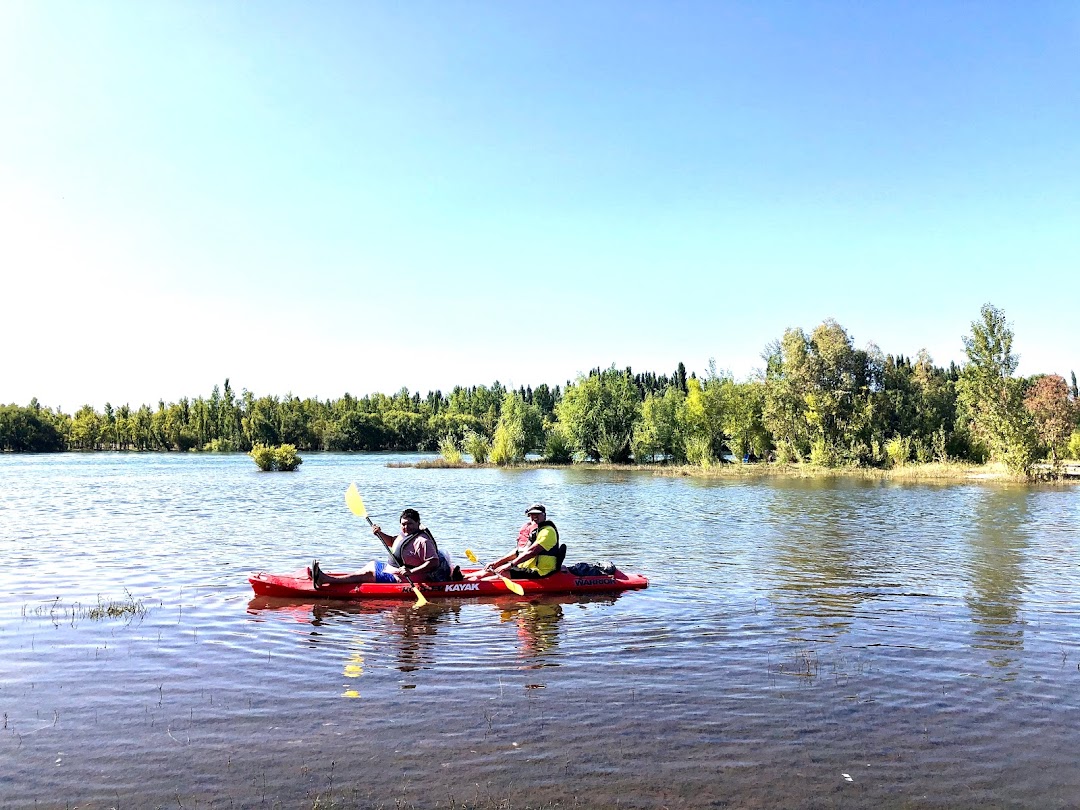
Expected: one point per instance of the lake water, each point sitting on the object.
(803, 643)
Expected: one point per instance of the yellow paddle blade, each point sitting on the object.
(420, 600)
(355, 502)
(513, 586)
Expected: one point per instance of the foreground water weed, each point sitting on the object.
(58, 612)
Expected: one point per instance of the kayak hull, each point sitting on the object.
(297, 585)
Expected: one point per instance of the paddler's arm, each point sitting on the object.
(501, 561)
(490, 569)
(386, 539)
(420, 570)
(517, 558)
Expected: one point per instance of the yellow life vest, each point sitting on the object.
(545, 562)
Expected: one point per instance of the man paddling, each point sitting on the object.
(415, 558)
(538, 553)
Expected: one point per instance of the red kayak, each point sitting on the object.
(298, 585)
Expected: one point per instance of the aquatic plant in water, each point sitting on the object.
(282, 458)
(58, 612)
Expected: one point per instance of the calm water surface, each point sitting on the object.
(811, 644)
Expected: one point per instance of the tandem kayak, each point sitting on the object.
(298, 585)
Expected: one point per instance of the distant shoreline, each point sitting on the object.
(933, 472)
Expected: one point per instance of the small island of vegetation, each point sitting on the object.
(282, 458)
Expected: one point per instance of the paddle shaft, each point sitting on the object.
(511, 586)
(419, 596)
(356, 506)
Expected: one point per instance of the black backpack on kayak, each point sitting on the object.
(584, 569)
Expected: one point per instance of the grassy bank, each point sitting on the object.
(934, 471)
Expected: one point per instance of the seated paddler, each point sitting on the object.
(414, 557)
(538, 553)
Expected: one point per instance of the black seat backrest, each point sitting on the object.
(560, 555)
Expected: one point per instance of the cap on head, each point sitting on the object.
(536, 508)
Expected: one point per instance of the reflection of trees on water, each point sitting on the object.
(823, 551)
(997, 545)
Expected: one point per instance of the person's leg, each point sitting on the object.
(381, 574)
(523, 573)
(365, 574)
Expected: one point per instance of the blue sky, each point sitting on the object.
(321, 198)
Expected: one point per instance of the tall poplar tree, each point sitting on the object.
(992, 397)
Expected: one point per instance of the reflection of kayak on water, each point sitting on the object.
(307, 610)
(298, 585)
(311, 611)
(404, 637)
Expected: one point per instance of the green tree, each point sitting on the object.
(201, 422)
(558, 449)
(680, 377)
(743, 418)
(477, 445)
(479, 401)
(125, 428)
(297, 418)
(696, 425)
(935, 432)
(519, 430)
(262, 424)
(455, 425)
(159, 427)
(837, 403)
(355, 430)
(87, 427)
(787, 379)
(31, 429)
(992, 397)
(599, 412)
(230, 425)
(142, 432)
(545, 399)
(818, 395)
(179, 432)
(406, 430)
(657, 433)
(109, 434)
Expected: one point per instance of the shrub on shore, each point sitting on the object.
(478, 446)
(449, 450)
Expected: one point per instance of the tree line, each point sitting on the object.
(819, 400)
